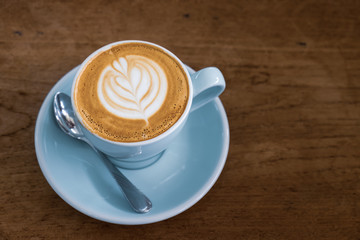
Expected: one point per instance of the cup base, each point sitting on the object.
(132, 165)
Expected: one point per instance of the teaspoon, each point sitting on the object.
(66, 119)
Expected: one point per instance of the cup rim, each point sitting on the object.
(169, 131)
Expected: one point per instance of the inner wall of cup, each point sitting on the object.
(107, 47)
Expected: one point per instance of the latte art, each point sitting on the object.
(130, 92)
(132, 87)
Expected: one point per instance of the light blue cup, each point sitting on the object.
(204, 86)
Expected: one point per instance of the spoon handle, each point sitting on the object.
(138, 201)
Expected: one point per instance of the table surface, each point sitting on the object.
(292, 99)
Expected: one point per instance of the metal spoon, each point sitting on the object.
(66, 119)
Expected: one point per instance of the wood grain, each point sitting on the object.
(293, 97)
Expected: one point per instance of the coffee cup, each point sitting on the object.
(132, 98)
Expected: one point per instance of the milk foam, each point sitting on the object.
(132, 87)
(131, 92)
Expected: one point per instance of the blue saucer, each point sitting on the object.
(180, 178)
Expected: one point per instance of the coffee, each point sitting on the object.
(131, 92)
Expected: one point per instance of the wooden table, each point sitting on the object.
(293, 102)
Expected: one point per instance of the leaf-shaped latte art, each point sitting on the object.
(132, 87)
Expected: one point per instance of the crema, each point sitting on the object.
(131, 92)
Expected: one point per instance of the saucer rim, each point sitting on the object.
(143, 218)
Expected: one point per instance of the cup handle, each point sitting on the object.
(208, 83)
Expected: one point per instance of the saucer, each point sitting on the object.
(180, 178)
